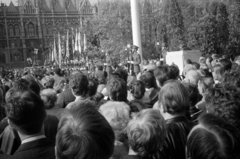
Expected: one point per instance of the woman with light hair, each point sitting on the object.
(188, 68)
(146, 134)
(118, 116)
(49, 97)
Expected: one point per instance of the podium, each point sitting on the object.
(178, 57)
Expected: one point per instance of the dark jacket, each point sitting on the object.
(38, 149)
(150, 98)
(177, 130)
(65, 98)
(10, 141)
(131, 157)
(4, 156)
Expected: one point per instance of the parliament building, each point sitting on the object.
(31, 24)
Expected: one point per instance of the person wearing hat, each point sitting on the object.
(109, 64)
(136, 60)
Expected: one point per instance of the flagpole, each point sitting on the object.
(79, 43)
(136, 25)
(55, 51)
(73, 44)
(85, 48)
(67, 46)
(76, 42)
(59, 50)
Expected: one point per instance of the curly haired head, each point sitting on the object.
(116, 113)
(146, 132)
(117, 89)
(224, 102)
(49, 97)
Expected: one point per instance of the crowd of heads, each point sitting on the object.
(160, 112)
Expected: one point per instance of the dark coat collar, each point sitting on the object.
(177, 119)
(35, 144)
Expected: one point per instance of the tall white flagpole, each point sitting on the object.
(59, 50)
(85, 42)
(67, 45)
(76, 41)
(136, 25)
(79, 43)
(55, 51)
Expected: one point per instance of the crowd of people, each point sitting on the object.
(159, 113)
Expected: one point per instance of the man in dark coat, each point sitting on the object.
(26, 114)
(130, 63)
(136, 60)
(64, 98)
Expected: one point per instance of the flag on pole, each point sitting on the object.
(76, 41)
(73, 44)
(79, 43)
(52, 55)
(55, 51)
(67, 45)
(59, 50)
(85, 42)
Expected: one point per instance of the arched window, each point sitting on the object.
(2, 30)
(17, 30)
(31, 30)
(11, 33)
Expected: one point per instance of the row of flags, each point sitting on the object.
(63, 45)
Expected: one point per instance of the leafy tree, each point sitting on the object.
(112, 27)
(208, 35)
(234, 29)
(222, 28)
(174, 24)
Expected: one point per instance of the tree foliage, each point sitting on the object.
(212, 26)
(174, 24)
(234, 28)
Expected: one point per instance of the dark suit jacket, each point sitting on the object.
(150, 99)
(131, 157)
(38, 149)
(3, 156)
(65, 98)
(10, 141)
(177, 130)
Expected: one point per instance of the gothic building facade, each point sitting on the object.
(31, 25)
